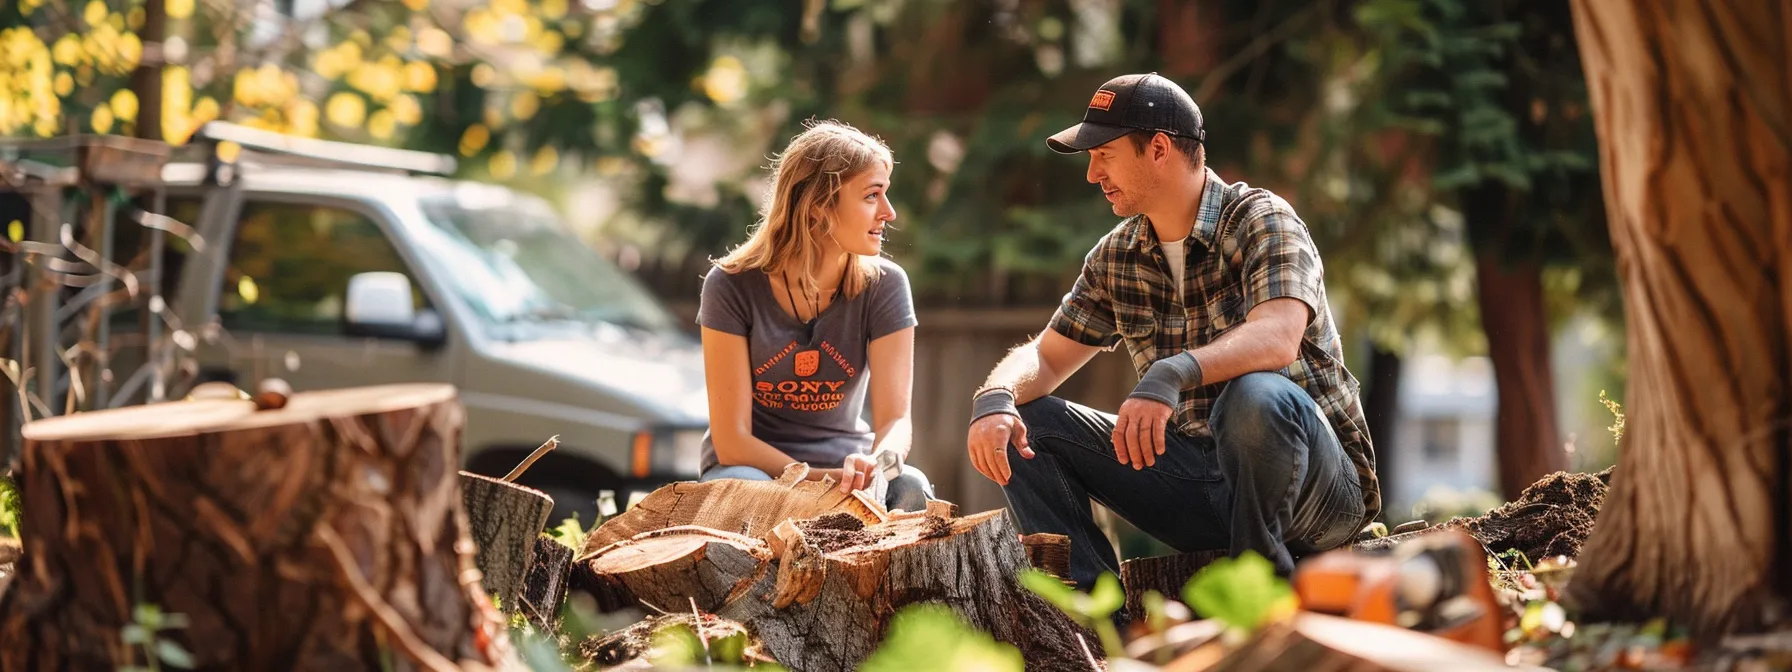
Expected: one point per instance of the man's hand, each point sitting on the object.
(988, 442)
(1139, 432)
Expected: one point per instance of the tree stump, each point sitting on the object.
(749, 508)
(1166, 574)
(1049, 553)
(544, 588)
(327, 534)
(505, 520)
(819, 592)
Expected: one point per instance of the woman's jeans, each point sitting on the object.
(909, 491)
(1271, 479)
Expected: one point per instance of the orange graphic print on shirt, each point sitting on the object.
(819, 392)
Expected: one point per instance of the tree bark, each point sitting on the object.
(544, 588)
(1381, 407)
(1517, 329)
(327, 534)
(1690, 102)
(146, 80)
(505, 520)
(1166, 574)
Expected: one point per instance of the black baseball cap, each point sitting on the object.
(1128, 103)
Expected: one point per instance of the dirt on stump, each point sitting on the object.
(1552, 517)
(836, 531)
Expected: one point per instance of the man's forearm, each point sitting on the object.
(1252, 347)
(1024, 372)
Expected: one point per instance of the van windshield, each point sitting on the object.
(515, 263)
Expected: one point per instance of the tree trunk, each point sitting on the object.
(1381, 407)
(747, 508)
(1691, 106)
(544, 588)
(327, 534)
(505, 520)
(146, 80)
(1166, 574)
(1517, 329)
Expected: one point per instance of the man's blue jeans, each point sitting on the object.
(1272, 479)
(909, 491)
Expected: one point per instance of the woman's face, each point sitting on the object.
(858, 217)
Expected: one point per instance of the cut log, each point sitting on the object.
(629, 645)
(1049, 553)
(327, 534)
(1320, 642)
(664, 570)
(845, 585)
(544, 588)
(505, 520)
(749, 508)
(1166, 574)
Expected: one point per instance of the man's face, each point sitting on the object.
(1126, 174)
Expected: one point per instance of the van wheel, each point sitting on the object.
(572, 482)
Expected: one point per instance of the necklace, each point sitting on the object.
(814, 301)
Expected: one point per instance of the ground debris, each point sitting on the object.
(1551, 518)
(636, 641)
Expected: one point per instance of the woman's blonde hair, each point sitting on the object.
(806, 182)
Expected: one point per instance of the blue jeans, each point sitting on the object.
(1272, 479)
(909, 491)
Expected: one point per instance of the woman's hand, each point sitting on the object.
(857, 472)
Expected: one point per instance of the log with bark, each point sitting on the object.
(820, 591)
(544, 587)
(1695, 132)
(749, 508)
(1166, 574)
(505, 519)
(327, 534)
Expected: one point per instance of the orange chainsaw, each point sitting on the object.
(1436, 583)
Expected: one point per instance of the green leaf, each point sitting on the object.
(933, 637)
(1107, 597)
(1239, 592)
(731, 649)
(676, 646)
(1049, 587)
(171, 653)
(569, 533)
(134, 634)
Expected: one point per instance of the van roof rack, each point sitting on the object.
(269, 146)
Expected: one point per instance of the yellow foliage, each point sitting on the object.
(130, 51)
(549, 42)
(553, 10)
(406, 110)
(503, 165)
(27, 84)
(382, 125)
(177, 95)
(481, 26)
(417, 5)
(246, 289)
(15, 230)
(124, 105)
(345, 109)
(474, 139)
(399, 39)
(135, 18)
(510, 6)
(549, 81)
(435, 42)
(65, 84)
(28, 6)
(544, 162)
(68, 51)
(379, 80)
(302, 118)
(420, 76)
(524, 105)
(726, 80)
(95, 13)
(102, 119)
(178, 9)
(484, 75)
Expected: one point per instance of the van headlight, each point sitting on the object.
(669, 452)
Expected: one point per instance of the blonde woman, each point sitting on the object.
(805, 321)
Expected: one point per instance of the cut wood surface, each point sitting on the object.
(1049, 553)
(544, 588)
(749, 508)
(327, 534)
(505, 520)
(1166, 574)
(664, 570)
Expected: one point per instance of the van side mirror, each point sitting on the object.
(379, 305)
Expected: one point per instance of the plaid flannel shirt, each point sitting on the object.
(1247, 247)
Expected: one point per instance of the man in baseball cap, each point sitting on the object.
(1245, 431)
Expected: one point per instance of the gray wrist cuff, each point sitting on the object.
(1167, 378)
(993, 402)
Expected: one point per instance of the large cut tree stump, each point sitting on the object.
(820, 592)
(1695, 134)
(327, 534)
(749, 508)
(505, 520)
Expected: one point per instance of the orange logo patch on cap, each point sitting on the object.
(1102, 100)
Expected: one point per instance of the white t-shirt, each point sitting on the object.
(1176, 252)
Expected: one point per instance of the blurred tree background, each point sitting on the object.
(1440, 150)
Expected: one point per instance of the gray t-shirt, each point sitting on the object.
(808, 387)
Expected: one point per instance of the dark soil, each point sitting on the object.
(1552, 517)
(832, 521)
